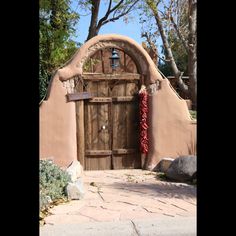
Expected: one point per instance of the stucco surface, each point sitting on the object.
(58, 126)
(171, 130)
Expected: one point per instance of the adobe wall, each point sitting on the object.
(171, 131)
(58, 126)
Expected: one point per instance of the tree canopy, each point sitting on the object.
(57, 23)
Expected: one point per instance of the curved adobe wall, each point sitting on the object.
(58, 119)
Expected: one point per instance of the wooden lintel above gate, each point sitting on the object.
(78, 96)
(100, 76)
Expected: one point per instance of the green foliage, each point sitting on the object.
(161, 176)
(56, 27)
(180, 56)
(53, 181)
(179, 52)
(193, 114)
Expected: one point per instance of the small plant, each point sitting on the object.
(193, 114)
(161, 176)
(53, 181)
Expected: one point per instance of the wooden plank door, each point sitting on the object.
(97, 128)
(111, 130)
(111, 125)
(125, 135)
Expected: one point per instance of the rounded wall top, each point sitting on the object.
(144, 62)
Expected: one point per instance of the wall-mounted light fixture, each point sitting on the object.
(114, 59)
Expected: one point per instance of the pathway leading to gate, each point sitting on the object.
(122, 197)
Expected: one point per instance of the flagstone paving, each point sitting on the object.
(120, 195)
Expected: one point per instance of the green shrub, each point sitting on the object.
(53, 181)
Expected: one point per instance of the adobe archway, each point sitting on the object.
(171, 130)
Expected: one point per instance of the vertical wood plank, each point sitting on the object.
(103, 120)
(103, 68)
(97, 138)
(133, 124)
(125, 67)
(93, 162)
(130, 65)
(119, 125)
(80, 127)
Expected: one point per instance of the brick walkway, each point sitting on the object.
(119, 195)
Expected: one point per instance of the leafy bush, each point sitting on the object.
(53, 181)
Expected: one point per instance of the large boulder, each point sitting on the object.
(75, 170)
(182, 168)
(163, 165)
(75, 190)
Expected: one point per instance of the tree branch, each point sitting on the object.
(168, 50)
(119, 16)
(109, 11)
(94, 18)
(115, 7)
(181, 37)
(151, 45)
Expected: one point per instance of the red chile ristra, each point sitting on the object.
(143, 110)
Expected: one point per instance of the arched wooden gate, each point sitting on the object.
(111, 123)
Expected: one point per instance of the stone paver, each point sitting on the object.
(126, 195)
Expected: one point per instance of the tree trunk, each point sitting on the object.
(178, 74)
(94, 19)
(192, 56)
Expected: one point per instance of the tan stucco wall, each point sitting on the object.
(58, 126)
(171, 131)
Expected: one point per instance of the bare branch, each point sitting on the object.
(115, 7)
(108, 9)
(107, 13)
(120, 15)
(158, 3)
(163, 14)
(95, 25)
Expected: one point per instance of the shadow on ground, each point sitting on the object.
(161, 188)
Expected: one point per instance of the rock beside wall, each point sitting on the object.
(75, 189)
(182, 168)
(163, 165)
(75, 170)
